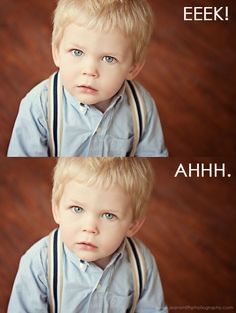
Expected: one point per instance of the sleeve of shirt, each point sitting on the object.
(152, 142)
(29, 293)
(30, 132)
(152, 298)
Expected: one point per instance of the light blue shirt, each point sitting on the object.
(86, 287)
(86, 130)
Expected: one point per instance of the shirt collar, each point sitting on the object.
(83, 108)
(118, 97)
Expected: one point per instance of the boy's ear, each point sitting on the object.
(134, 70)
(55, 212)
(135, 226)
(55, 55)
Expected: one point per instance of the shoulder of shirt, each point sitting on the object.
(36, 100)
(147, 254)
(36, 256)
(37, 95)
(38, 89)
(148, 99)
(144, 92)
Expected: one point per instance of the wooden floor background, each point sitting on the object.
(190, 229)
(190, 71)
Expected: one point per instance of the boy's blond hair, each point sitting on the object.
(133, 175)
(133, 17)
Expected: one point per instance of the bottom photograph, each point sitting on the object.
(121, 235)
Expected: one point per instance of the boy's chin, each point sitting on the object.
(101, 105)
(99, 262)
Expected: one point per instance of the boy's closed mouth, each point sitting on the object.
(87, 245)
(87, 89)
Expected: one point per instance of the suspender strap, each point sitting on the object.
(138, 110)
(55, 270)
(138, 270)
(55, 106)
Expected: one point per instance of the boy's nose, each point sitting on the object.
(90, 69)
(90, 226)
(90, 73)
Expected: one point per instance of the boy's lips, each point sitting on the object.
(84, 245)
(87, 89)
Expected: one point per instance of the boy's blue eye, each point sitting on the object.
(109, 216)
(77, 52)
(109, 59)
(77, 209)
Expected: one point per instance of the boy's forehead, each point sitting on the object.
(101, 193)
(86, 183)
(80, 35)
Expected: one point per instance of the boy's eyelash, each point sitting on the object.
(76, 52)
(79, 52)
(114, 60)
(76, 209)
(114, 217)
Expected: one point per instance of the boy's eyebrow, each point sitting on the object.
(111, 210)
(118, 212)
(113, 54)
(76, 202)
(72, 44)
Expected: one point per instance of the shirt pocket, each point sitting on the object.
(118, 303)
(117, 146)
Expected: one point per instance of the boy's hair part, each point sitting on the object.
(133, 175)
(133, 17)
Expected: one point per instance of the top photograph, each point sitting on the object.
(144, 78)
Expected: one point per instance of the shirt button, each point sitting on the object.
(82, 109)
(82, 265)
(98, 130)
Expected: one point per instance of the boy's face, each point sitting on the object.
(93, 64)
(94, 220)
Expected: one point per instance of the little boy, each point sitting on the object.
(98, 203)
(91, 107)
